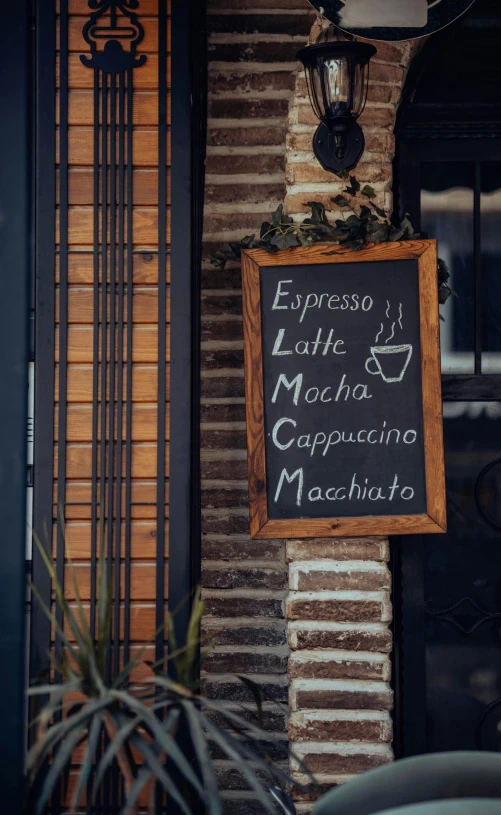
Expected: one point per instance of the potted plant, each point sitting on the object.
(131, 725)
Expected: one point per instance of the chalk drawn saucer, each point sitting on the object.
(392, 19)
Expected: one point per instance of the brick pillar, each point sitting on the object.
(338, 607)
(338, 611)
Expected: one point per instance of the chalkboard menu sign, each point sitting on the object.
(343, 399)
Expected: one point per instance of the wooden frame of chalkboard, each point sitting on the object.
(410, 265)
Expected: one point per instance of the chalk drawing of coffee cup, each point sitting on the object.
(391, 361)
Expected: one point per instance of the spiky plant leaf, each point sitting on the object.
(161, 776)
(228, 746)
(61, 758)
(204, 760)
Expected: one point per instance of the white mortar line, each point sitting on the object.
(252, 67)
(250, 94)
(224, 455)
(337, 566)
(270, 150)
(244, 209)
(244, 178)
(249, 594)
(298, 716)
(236, 235)
(343, 748)
(220, 318)
(227, 38)
(272, 121)
(222, 372)
(241, 512)
(261, 11)
(222, 400)
(327, 625)
(353, 685)
(221, 345)
(251, 563)
(223, 484)
(334, 655)
(327, 596)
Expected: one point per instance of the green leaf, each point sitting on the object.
(142, 779)
(368, 191)
(157, 769)
(123, 734)
(265, 228)
(396, 234)
(50, 616)
(379, 235)
(243, 725)
(227, 744)
(57, 732)
(443, 271)
(204, 759)
(90, 754)
(248, 240)
(255, 690)
(378, 210)
(306, 239)
(285, 240)
(355, 184)
(61, 599)
(234, 251)
(355, 245)
(317, 212)
(59, 762)
(276, 217)
(341, 201)
(407, 227)
(164, 739)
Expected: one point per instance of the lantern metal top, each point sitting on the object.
(360, 52)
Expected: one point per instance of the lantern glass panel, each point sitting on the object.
(333, 83)
(314, 89)
(360, 73)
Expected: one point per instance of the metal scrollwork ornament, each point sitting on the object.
(115, 22)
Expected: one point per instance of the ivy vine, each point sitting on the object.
(363, 223)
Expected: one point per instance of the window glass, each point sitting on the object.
(462, 588)
(447, 215)
(491, 266)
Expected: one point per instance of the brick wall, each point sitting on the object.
(334, 594)
(252, 73)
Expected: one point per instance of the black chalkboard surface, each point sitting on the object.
(343, 392)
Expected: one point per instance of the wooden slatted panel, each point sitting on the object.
(80, 322)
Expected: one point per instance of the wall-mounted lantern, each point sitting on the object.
(337, 76)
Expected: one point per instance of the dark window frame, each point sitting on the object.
(426, 134)
(15, 260)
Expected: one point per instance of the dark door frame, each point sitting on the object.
(188, 141)
(15, 259)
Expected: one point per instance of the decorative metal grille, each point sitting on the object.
(109, 497)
